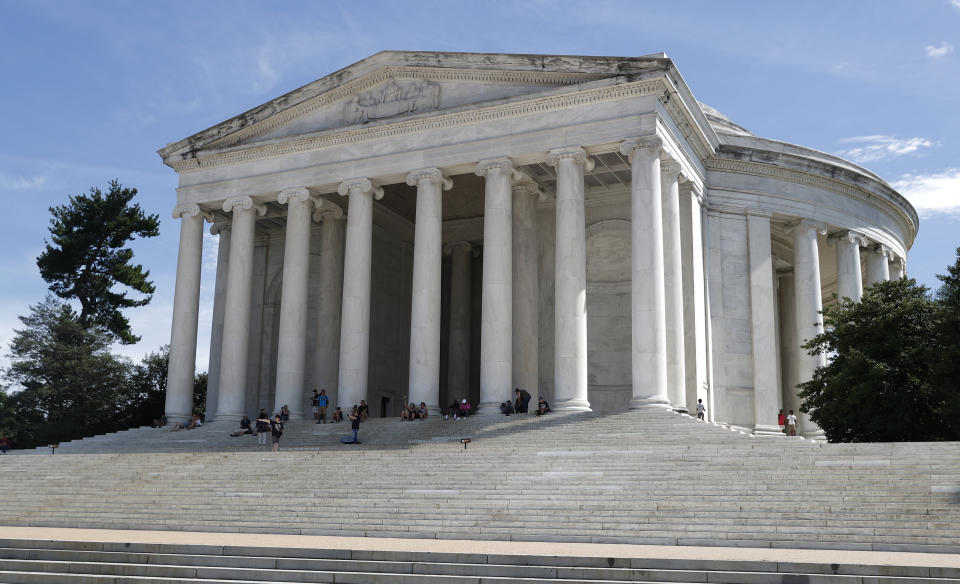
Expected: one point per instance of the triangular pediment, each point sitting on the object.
(393, 86)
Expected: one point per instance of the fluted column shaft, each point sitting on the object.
(570, 289)
(878, 268)
(425, 310)
(849, 279)
(291, 343)
(673, 284)
(357, 265)
(763, 327)
(186, 310)
(327, 365)
(648, 304)
(219, 310)
(458, 355)
(526, 288)
(496, 322)
(236, 326)
(808, 305)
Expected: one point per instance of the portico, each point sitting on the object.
(403, 231)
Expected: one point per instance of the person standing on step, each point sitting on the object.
(782, 421)
(791, 424)
(314, 406)
(363, 410)
(263, 425)
(276, 431)
(322, 403)
(354, 418)
(523, 400)
(701, 410)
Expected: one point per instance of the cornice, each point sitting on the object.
(804, 178)
(400, 73)
(438, 122)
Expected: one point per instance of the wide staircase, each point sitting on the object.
(644, 477)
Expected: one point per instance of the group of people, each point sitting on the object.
(195, 422)
(412, 412)
(521, 405)
(788, 423)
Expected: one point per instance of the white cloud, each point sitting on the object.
(955, 3)
(21, 183)
(878, 147)
(943, 50)
(932, 194)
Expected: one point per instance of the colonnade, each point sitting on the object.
(661, 315)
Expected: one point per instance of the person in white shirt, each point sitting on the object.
(701, 410)
(791, 424)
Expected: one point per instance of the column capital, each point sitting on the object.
(219, 227)
(503, 163)
(528, 188)
(808, 225)
(299, 194)
(244, 203)
(358, 186)
(690, 187)
(651, 142)
(670, 168)
(434, 175)
(325, 209)
(848, 236)
(576, 153)
(454, 246)
(191, 209)
(880, 249)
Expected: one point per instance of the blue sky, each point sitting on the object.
(92, 89)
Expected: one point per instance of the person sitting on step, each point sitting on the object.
(194, 422)
(506, 408)
(244, 427)
(542, 406)
(464, 408)
(422, 412)
(409, 413)
(452, 410)
(284, 413)
(338, 415)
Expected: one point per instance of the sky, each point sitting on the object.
(91, 89)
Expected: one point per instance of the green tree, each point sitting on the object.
(880, 383)
(147, 398)
(69, 383)
(88, 257)
(948, 370)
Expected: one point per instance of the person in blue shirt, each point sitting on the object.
(322, 403)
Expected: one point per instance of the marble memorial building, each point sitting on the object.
(431, 226)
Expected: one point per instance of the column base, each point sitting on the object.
(174, 418)
(643, 403)
(488, 409)
(765, 430)
(231, 417)
(682, 410)
(570, 405)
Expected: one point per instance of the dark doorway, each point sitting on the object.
(384, 404)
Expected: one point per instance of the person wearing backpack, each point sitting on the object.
(276, 430)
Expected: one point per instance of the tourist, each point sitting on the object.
(523, 400)
(244, 427)
(701, 410)
(354, 418)
(506, 408)
(194, 422)
(285, 413)
(791, 424)
(4, 444)
(464, 408)
(452, 410)
(315, 406)
(422, 413)
(542, 406)
(276, 431)
(337, 415)
(408, 413)
(363, 410)
(322, 402)
(263, 425)
(782, 421)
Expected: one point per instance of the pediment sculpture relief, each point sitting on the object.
(393, 99)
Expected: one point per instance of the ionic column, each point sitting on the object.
(526, 288)
(327, 364)
(186, 311)
(849, 278)
(458, 355)
(898, 268)
(673, 283)
(808, 304)
(216, 326)
(357, 265)
(878, 268)
(570, 289)
(292, 339)
(236, 326)
(648, 304)
(425, 310)
(694, 295)
(496, 322)
(763, 327)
